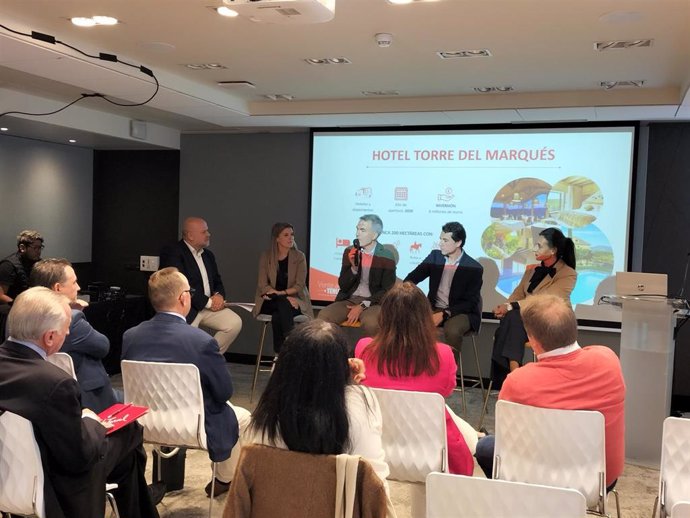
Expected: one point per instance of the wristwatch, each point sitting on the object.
(363, 305)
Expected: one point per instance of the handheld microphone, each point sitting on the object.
(355, 243)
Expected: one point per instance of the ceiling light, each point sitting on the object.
(602, 46)
(339, 61)
(72, 141)
(472, 53)
(504, 88)
(608, 85)
(105, 20)
(317, 61)
(214, 65)
(400, 2)
(81, 21)
(484, 89)
(236, 84)
(4, 129)
(490, 89)
(205, 66)
(226, 11)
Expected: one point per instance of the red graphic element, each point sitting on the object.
(415, 247)
(322, 285)
(400, 194)
(342, 242)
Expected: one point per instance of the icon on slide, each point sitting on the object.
(363, 192)
(400, 194)
(415, 247)
(342, 242)
(447, 195)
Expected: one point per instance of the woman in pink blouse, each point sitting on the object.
(404, 355)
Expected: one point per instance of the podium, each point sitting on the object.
(646, 355)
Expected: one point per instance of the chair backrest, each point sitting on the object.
(21, 471)
(414, 433)
(172, 392)
(560, 448)
(64, 361)
(469, 497)
(681, 510)
(674, 474)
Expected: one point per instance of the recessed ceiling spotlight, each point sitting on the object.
(490, 89)
(504, 88)
(72, 141)
(4, 129)
(81, 21)
(226, 11)
(328, 61)
(214, 65)
(471, 53)
(205, 66)
(339, 61)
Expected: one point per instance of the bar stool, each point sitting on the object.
(266, 320)
(480, 381)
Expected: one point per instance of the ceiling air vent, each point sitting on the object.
(608, 85)
(454, 54)
(602, 46)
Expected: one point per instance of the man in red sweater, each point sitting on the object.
(566, 376)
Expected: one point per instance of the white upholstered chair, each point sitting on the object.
(266, 320)
(414, 438)
(674, 474)
(64, 361)
(457, 496)
(172, 392)
(560, 448)
(21, 471)
(681, 510)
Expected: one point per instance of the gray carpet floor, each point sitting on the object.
(637, 486)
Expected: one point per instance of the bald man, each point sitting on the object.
(192, 257)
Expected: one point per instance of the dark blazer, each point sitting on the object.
(179, 256)
(381, 275)
(167, 338)
(465, 287)
(70, 446)
(88, 347)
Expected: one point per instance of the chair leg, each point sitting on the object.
(479, 368)
(213, 487)
(656, 503)
(618, 504)
(113, 504)
(486, 402)
(462, 385)
(258, 360)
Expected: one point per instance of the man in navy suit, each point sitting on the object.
(168, 338)
(77, 456)
(455, 282)
(84, 344)
(197, 263)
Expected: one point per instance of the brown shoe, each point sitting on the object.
(218, 488)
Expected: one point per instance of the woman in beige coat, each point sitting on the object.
(281, 289)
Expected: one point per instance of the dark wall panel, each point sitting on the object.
(135, 212)
(667, 227)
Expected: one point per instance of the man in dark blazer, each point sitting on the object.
(455, 282)
(367, 273)
(168, 338)
(77, 456)
(84, 344)
(197, 263)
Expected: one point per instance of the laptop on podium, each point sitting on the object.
(638, 283)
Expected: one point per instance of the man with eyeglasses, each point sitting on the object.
(168, 338)
(16, 268)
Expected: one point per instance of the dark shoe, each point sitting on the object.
(218, 488)
(157, 491)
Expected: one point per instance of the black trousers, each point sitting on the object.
(282, 319)
(509, 344)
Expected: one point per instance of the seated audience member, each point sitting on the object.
(405, 355)
(16, 268)
(367, 273)
(168, 338)
(455, 282)
(281, 290)
(77, 456)
(84, 344)
(555, 275)
(567, 377)
(313, 402)
(197, 263)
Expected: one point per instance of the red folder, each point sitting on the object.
(121, 414)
